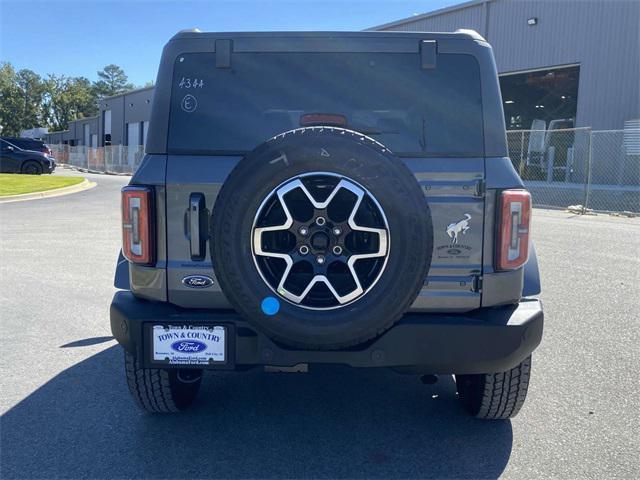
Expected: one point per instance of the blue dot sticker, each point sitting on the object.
(270, 305)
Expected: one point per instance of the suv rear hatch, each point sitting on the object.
(407, 93)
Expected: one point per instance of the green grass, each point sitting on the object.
(13, 184)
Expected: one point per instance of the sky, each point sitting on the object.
(78, 38)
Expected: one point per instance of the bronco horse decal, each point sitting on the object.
(454, 229)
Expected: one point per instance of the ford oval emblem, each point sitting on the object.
(197, 281)
(188, 346)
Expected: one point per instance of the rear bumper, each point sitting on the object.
(484, 341)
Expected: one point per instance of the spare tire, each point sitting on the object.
(321, 238)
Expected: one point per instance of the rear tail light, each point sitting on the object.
(137, 218)
(514, 229)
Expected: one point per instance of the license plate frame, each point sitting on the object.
(228, 351)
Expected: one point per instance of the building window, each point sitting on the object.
(540, 99)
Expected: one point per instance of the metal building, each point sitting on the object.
(573, 62)
(123, 120)
(83, 131)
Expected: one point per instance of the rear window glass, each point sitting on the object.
(387, 96)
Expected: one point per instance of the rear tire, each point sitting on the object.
(495, 396)
(32, 168)
(157, 390)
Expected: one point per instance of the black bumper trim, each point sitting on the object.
(487, 340)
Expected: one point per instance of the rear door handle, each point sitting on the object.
(197, 226)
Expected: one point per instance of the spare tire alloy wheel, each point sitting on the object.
(321, 238)
(322, 247)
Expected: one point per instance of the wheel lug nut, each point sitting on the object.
(320, 259)
(303, 250)
(304, 231)
(320, 221)
(337, 250)
(337, 231)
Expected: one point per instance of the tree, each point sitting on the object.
(21, 95)
(32, 89)
(84, 97)
(10, 101)
(112, 81)
(67, 99)
(27, 100)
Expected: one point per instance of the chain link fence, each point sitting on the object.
(579, 168)
(598, 170)
(111, 159)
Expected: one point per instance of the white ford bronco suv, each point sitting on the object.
(313, 198)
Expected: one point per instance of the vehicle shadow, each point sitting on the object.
(85, 342)
(334, 422)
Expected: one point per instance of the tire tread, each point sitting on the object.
(150, 387)
(496, 396)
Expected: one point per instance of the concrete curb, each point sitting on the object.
(88, 170)
(56, 192)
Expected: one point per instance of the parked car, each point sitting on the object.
(313, 198)
(14, 159)
(29, 144)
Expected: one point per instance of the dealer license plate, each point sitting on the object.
(188, 345)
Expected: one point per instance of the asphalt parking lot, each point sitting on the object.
(66, 411)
